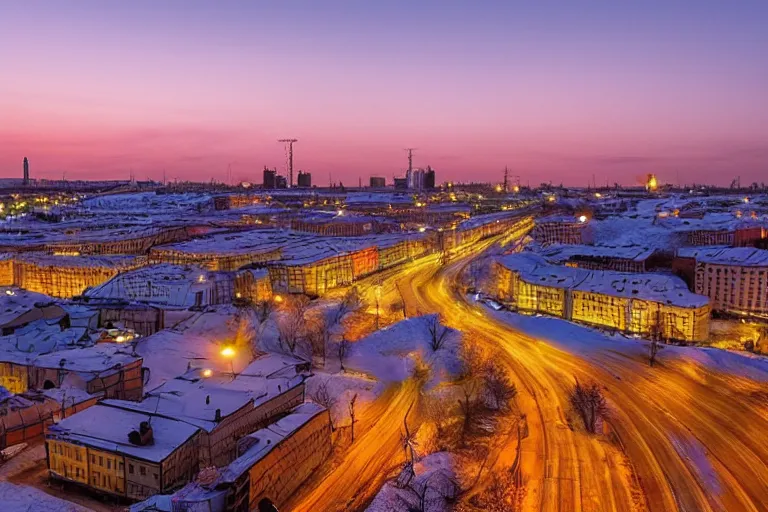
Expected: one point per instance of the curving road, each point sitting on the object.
(683, 436)
(680, 436)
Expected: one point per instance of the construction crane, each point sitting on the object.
(290, 159)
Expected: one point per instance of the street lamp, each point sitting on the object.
(229, 353)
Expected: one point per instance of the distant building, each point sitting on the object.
(26, 171)
(281, 182)
(377, 182)
(269, 181)
(558, 229)
(305, 179)
(401, 183)
(429, 178)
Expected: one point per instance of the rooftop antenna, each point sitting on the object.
(290, 159)
(410, 158)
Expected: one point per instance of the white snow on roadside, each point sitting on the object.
(436, 472)
(391, 354)
(586, 341)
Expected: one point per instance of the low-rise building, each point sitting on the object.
(734, 278)
(122, 452)
(559, 229)
(647, 304)
(168, 285)
(592, 257)
(273, 463)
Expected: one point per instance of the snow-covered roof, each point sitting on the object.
(117, 262)
(742, 256)
(368, 198)
(105, 427)
(170, 285)
(660, 288)
(563, 252)
(264, 440)
(558, 219)
(14, 302)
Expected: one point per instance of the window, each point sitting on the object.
(155, 476)
(101, 461)
(130, 468)
(143, 471)
(109, 464)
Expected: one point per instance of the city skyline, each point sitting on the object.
(558, 93)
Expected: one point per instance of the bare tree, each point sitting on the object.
(498, 385)
(322, 395)
(290, 326)
(408, 438)
(589, 402)
(352, 412)
(470, 384)
(653, 349)
(437, 332)
(343, 348)
(501, 493)
(439, 411)
(263, 309)
(318, 334)
(349, 303)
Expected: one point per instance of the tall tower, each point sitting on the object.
(409, 172)
(290, 159)
(26, 171)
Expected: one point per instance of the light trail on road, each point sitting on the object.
(683, 437)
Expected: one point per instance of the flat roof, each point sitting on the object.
(741, 256)
(564, 252)
(106, 428)
(665, 289)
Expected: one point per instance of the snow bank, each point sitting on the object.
(391, 354)
(586, 342)
(434, 475)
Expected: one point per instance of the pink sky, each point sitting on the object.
(97, 90)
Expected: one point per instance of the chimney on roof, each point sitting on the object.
(142, 437)
(217, 418)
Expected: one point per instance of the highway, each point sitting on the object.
(679, 436)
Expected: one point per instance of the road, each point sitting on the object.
(679, 437)
(369, 461)
(693, 439)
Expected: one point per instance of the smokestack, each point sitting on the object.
(26, 172)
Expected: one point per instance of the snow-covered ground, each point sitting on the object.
(585, 341)
(434, 481)
(391, 354)
(22, 498)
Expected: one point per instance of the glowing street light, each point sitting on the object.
(228, 352)
(277, 298)
(207, 372)
(583, 218)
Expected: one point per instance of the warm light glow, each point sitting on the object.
(201, 278)
(120, 338)
(422, 229)
(278, 298)
(583, 218)
(339, 212)
(9, 292)
(598, 195)
(498, 188)
(515, 189)
(551, 199)
(207, 372)
(651, 184)
(238, 295)
(746, 199)
(228, 352)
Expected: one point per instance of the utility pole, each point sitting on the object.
(290, 159)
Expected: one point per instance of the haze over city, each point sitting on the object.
(558, 91)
